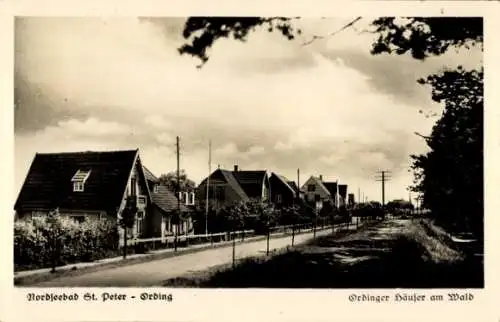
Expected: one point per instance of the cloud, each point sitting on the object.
(157, 122)
(92, 127)
(255, 151)
(229, 149)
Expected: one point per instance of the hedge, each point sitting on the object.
(53, 240)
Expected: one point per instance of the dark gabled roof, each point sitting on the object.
(166, 199)
(318, 182)
(48, 182)
(285, 182)
(149, 175)
(331, 187)
(293, 185)
(228, 177)
(251, 181)
(233, 182)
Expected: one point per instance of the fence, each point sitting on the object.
(143, 245)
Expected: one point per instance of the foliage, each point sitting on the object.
(211, 29)
(170, 180)
(399, 206)
(450, 175)
(424, 37)
(127, 218)
(55, 239)
(250, 215)
(421, 37)
(290, 215)
(368, 209)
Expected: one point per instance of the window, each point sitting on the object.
(79, 179)
(78, 186)
(192, 197)
(311, 187)
(317, 197)
(279, 199)
(156, 188)
(142, 200)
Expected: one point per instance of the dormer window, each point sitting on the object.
(78, 186)
(187, 198)
(79, 180)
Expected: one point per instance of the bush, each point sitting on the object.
(54, 240)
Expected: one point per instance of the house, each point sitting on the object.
(316, 193)
(223, 189)
(350, 200)
(229, 187)
(92, 185)
(333, 189)
(342, 195)
(283, 191)
(255, 183)
(165, 207)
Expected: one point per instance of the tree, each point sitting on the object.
(399, 206)
(421, 37)
(450, 175)
(235, 215)
(424, 37)
(290, 215)
(170, 180)
(127, 220)
(211, 29)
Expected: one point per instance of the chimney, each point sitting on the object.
(321, 177)
(235, 168)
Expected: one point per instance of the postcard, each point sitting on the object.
(204, 162)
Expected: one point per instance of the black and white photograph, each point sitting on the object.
(249, 152)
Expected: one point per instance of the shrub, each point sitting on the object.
(54, 240)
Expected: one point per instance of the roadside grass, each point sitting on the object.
(390, 254)
(435, 242)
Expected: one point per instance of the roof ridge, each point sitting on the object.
(84, 152)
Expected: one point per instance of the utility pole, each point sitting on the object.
(298, 181)
(178, 195)
(383, 178)
(359, 195)
(208, 184)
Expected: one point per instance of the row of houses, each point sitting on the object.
(97, 185)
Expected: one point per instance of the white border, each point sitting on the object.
(255, 305)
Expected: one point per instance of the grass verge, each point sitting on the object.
(392, 254)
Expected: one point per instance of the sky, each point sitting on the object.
(327, 108)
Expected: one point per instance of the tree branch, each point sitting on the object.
(315, 37)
